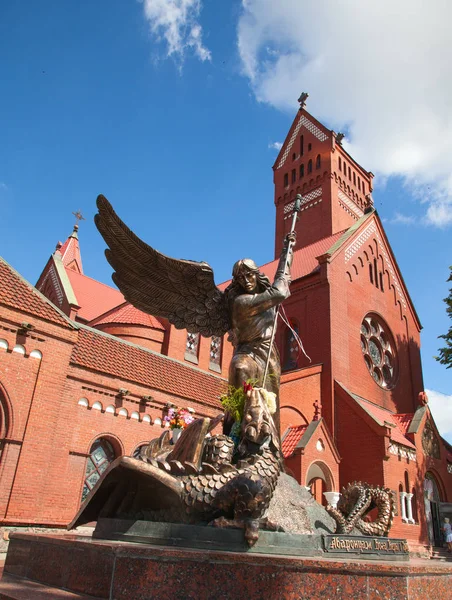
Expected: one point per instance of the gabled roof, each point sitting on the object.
(353, 237)
(291, 437)
(302, 120)
(126, 314)
(126, 361)
(93, 297)
(17, 293)
(383, 418)
(299, 436)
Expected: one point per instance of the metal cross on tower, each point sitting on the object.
(78, 215)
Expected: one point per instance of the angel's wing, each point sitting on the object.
(183, 291)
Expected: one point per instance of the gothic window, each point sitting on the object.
(378, 349)
(301, 171)
(101, 455)
(294, 175)
(354, 178)
(301, 145)
(286, 179)
(340, 164)
(359, 183)
(215, 354)
(192, 347)
(349, 173)
(310, 166)
(318, 161)
(290, 348)
(345, 167)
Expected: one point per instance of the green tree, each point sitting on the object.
(445, 353)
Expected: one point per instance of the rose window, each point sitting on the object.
(379, 351)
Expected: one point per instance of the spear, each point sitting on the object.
(296, 210)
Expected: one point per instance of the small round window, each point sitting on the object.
(378, 349)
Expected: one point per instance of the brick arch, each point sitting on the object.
(436, 477)
(114, 440)
(289, 415)
(320, 470)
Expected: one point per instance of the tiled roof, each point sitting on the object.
(17, 293)
(304, 261)
(94, 298)
(105, 353)
(291, 438)
(382, 416)
(403, 421)
(126, 314)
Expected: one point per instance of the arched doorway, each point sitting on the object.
(320, 480)
(101, 454)
(432, 498)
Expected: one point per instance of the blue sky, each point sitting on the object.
(169, 108)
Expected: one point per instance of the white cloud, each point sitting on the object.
(379, 70)
(275, 146)
(399, 218)
(176, 21)
(441, 407)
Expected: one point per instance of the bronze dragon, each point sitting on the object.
(357, 501)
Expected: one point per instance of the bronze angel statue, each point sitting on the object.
(184, 292)
(203, 477)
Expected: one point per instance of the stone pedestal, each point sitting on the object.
(43, 567)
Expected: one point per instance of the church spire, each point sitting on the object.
(70, 250)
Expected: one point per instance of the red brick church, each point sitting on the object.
(85, 377)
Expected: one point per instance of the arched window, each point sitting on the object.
(294, 175)
(310, 166)
(349, 173)
(101, 454)
(354, 178)
(301, 171)
(318, 161)
(340, 164)
(301, 145)
(286, 179)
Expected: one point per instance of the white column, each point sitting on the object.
(402, 506)
(409, 507)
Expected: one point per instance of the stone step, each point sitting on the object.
(16, 588)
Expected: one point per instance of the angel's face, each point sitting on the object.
(248, 280)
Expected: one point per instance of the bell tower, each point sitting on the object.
(335, 189)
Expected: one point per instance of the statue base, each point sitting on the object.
(72, 567)
(202, 537)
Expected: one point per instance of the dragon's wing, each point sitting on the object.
(183, 291)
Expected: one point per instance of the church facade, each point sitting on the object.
(85, 377)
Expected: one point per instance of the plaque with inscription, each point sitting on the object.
(351, 544)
